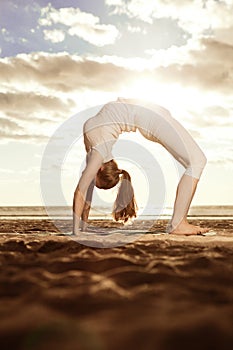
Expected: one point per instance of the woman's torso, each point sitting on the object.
(123, 115)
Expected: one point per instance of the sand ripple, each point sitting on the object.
(156, 293)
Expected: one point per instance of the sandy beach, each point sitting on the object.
(159, 292)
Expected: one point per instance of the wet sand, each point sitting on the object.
(160, 292)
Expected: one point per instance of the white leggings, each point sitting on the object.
(174, 137)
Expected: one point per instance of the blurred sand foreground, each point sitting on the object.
(159, 292)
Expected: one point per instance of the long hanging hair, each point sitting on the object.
(125, 206)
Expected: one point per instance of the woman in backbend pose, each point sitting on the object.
(154, 123)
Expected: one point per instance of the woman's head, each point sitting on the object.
(108, 176)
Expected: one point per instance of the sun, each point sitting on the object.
(142, 88)
(173, 96)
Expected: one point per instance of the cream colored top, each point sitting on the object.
(153, 121)
(103, 130)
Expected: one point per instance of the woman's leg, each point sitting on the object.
(177, 140)
(166, 130)
(184, 195)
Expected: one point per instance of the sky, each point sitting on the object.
(59, 58)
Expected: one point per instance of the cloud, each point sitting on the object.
(206, 68)
(60, 72)
(199, 64)
(38, 138)
(30, 171)
(81, 24)
(225, 161)
(25, 105)
(58, 80)
(224, 35)
(40, 88)
(55, 35)
(220, 152)
(29, 116)
(10, 130)
(194, 17)
(8, 125)
(213, 116)
(7, 37)
(136, 29)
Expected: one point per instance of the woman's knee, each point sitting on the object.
(202, 160)
(196, 166)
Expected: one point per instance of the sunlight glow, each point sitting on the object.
(174, 96)
(168, 95)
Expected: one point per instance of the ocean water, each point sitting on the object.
(40, 212)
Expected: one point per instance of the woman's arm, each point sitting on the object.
(87, 206)
(94, 162)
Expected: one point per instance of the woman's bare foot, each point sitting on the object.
(184, 228)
